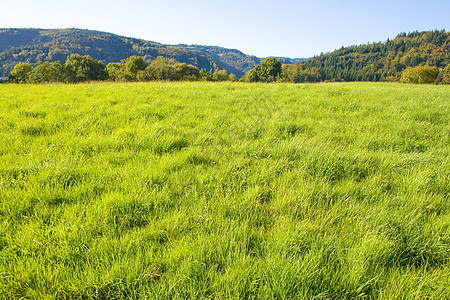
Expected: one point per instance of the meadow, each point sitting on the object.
(224, 191)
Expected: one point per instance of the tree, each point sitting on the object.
(20, 73)
(445, 76)
(391, 79)
(221, 75)
(115, 71)
(133, 65)
(84, 68)
(251, 76)
(186, 72)
(40, 73)
(420, 74)
(161, 69)
(47, 72)
(57, 71)
(293, 72)
(204, 75)
(269, 70)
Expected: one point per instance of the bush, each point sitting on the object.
(221, 75)
(391, 79)
(445, 79)
(420, 74)
(20, 73)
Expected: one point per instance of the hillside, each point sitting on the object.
(233, 60)
(376, 61)
(371, 62)
(33, 45)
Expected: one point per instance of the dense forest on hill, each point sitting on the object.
(382, 61)
(231, 60)
(34, 45)
(235, 61)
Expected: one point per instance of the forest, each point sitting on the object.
(416, 57)
(34, 45)
(376, 61)
(79, 68)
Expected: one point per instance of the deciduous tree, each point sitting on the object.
(20, 73)
(84, 68)
(269, 70)
(115, 71)
(221, 75)
(420, 74)
(133, 65)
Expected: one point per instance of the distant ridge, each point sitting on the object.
(233, 60)
(33, 45)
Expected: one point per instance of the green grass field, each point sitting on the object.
(224, 191)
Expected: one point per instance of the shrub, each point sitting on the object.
(420, 74)
(20, 73)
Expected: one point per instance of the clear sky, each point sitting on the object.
(262, 28)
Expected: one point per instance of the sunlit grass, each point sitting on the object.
(224, 191)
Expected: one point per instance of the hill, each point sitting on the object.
(233, 60)
(33, 45)
(376, 61)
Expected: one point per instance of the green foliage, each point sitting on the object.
(391, 79)
(205, 76)
(220, 75)
(131, 68)
(84, 68)
(371, 62)
(269, 70)
(298, 73)
(47, 72)
(200, 190)
(376, 61)
(115, 71)
(186, 72)
(251, 76)
(33, 45)
(420, 74)
(20, 73)
(40, 73)
(445, 79)
(135, 69)
(161, 69)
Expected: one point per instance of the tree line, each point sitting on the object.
(417, 57)
(271, 70)
(79, 68)
(376, 61)
(34, 45)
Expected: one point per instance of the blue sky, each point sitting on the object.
(261, 28)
